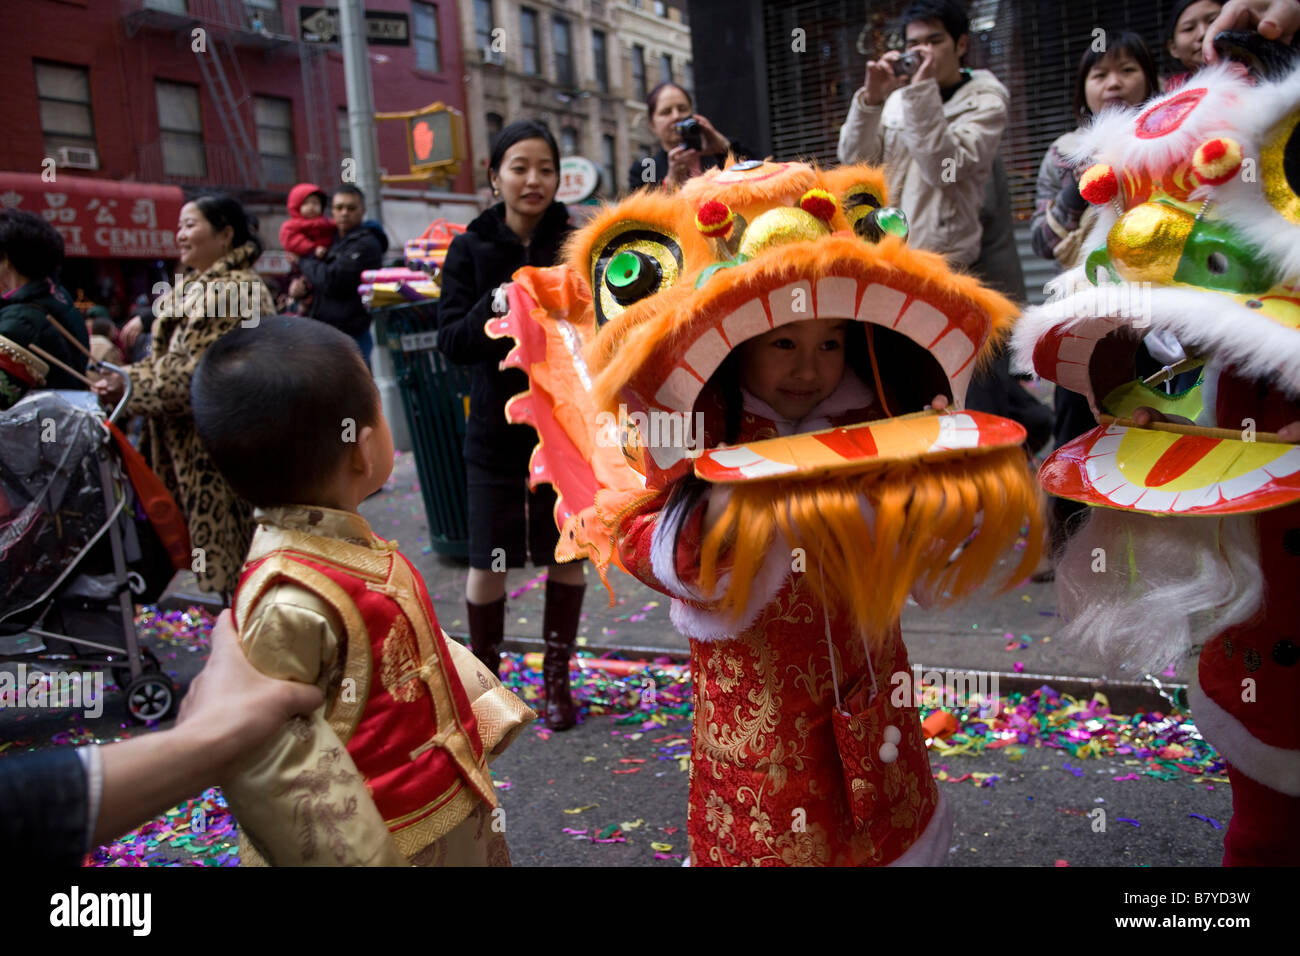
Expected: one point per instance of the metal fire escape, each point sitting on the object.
(233, 29)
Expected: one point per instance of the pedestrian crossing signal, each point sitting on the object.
(435, 142)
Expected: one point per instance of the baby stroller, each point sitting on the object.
(77, 549)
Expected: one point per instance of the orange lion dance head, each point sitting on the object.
(624, 344)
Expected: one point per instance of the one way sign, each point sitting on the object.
(321, 25)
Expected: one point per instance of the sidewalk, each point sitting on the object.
(1010, 634)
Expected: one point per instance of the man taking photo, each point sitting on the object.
(935, 126)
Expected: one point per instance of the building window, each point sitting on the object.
(274, 117)
(688, 79)
(638, 71)
(64, 94)
(345, 134)
(608, 163)
(528, 41)
(562, 40)
(181, 130)
(568, 141)
(484, 24)
(424, 30)
(665, 69)
(600, 60)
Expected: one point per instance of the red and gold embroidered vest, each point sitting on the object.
(401, 710)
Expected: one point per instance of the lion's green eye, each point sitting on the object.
(632, 275)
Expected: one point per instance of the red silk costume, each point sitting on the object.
(767, 780)
(401, 712)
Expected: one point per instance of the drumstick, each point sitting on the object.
(50, 358)
(1198, 431)
(69, 336)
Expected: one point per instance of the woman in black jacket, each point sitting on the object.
(677, 161)
(507, 522)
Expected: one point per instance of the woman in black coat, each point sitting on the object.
(508, 523)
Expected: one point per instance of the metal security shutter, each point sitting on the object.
(809, 92)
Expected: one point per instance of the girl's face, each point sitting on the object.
(1115, 80)
(1189, 33)
(671, 107)
(527, 177)
(200, 246)
(795, 367)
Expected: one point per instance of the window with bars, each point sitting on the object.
(600, 60)
(64, 95)
(424, 36)
(638, 71)
(180, 129)
(528, 41)
(274, 118)
(562, 40)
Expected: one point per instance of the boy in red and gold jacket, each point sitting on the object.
(393, 769)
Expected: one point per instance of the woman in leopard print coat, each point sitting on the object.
(219, 291)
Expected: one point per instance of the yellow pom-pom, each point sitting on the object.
(1217, 160)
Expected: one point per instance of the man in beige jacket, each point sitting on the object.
(937, 131)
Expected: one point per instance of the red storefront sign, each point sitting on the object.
(99, 218)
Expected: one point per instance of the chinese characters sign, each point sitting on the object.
(99, 218)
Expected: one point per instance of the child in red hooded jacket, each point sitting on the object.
(307, 231)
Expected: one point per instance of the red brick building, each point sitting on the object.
(189, 94)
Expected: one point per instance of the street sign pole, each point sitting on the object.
(361, 103)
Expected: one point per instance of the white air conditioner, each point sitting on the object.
(492, 56)
(78, 157)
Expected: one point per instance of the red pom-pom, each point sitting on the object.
(1098, 184)
(819, 203)
(714, 219)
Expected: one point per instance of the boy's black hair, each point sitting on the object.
(1125, 41)
(33, 247)
(951, 13)
(272, 406)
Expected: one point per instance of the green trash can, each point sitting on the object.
(435, 397)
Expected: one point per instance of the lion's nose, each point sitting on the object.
(1147, 242)
(778, 226)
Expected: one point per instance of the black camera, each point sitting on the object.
(907, 64)
(690, 132)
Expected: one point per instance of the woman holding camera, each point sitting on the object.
(688, 143)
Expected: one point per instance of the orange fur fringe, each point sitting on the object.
(868, 564)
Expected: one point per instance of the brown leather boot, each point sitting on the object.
(487, 625)
(560, 630)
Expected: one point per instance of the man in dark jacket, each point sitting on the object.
(31, 251)
(335, 278)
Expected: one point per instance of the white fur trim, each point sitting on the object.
(931, 847)
(709, 625)
(1275, 767)
(663, 551)
(1261, 349)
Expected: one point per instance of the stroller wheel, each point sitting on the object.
(150, 697)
